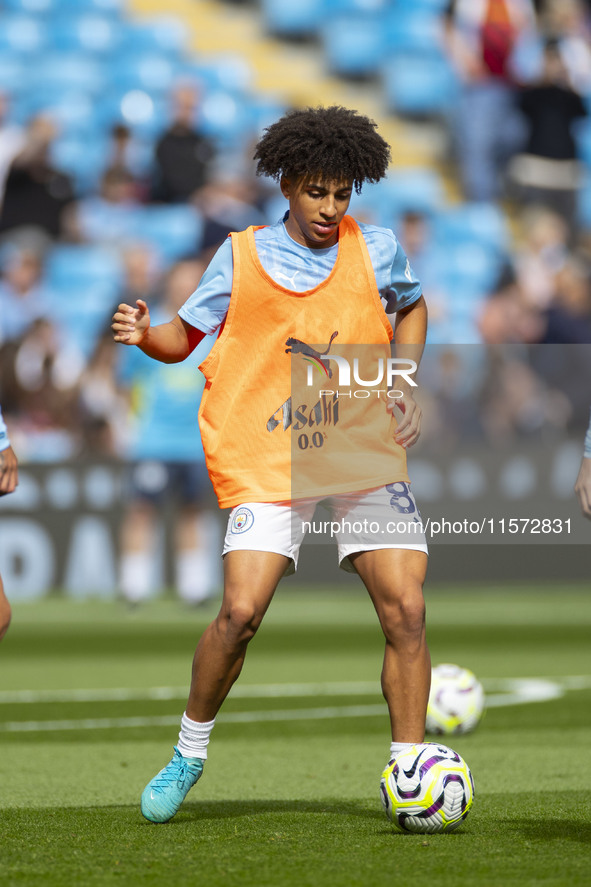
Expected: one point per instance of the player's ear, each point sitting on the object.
(286, 187)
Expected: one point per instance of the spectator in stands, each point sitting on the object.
(228, 203)
(568, 316)
(183, 154)
(36, 193)
(106, 217)
(481, 36)
(141, 273)
(417, 241)
(548, 172)
(569, 22)
(507, 316)
(540, 255)
(102, 406)
(46, 367)
(11, 142)
(168, 462)
(23, 298)
(125, 156)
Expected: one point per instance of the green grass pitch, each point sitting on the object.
(91, 695)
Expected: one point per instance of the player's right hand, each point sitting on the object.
(130, 325)
(8, 471)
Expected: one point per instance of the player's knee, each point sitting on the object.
(405, 616)
(240, 622)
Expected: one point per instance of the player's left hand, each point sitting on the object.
(409, 427)
(8, 471)
(583, 487)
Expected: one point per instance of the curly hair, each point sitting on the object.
(334, 143)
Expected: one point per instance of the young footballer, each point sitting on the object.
(283, 298)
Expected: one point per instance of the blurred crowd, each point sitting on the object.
(524, 74)
(61, 376)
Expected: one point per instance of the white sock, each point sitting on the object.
(136, 576)
(396, 748)
(194, 578)
(194, 737)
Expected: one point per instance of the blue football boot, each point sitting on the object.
(163, 796)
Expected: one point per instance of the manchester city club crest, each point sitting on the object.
(242, 520)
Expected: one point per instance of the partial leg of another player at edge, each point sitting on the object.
(394, 579)
(250, 580)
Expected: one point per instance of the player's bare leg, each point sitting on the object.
(250, 580)
(394, 579)
(5, 611)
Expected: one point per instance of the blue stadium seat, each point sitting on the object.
(84, 284)
(419, 84)
(22, 34)
(584, 202)
(76, 267)
(114, 8)
(174, 230)
(92, 33)
(224, 116)
(354, 44)
(31, 7)
(145, 114)
(288, 19)
(369, 7)
(409, 189)
(160, 34)
(83, 158)
(582, 135)
(468, 271)
(225, 71)
(85, 314)
(72, 108)
(424, 5)
(412, 29)
(12, 74)
(63, 70)
(151, 71)
(480, 224)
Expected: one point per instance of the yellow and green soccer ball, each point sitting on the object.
(456, 701)
(427, 789)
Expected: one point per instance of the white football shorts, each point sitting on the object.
(384, 517)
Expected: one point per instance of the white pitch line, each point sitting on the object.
(234, 717)
(509, 686)
(517, 691)
(241, 691)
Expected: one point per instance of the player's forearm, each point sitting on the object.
(411, 327)
(410, 331)
(167, 342)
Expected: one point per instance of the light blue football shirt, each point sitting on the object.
(588, 441)
(4, 441)
(300, 268)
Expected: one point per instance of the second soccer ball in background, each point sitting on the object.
(456, 702)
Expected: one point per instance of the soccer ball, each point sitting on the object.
(456, 701)
(427, 789)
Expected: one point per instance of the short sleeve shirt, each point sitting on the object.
(300, 268)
